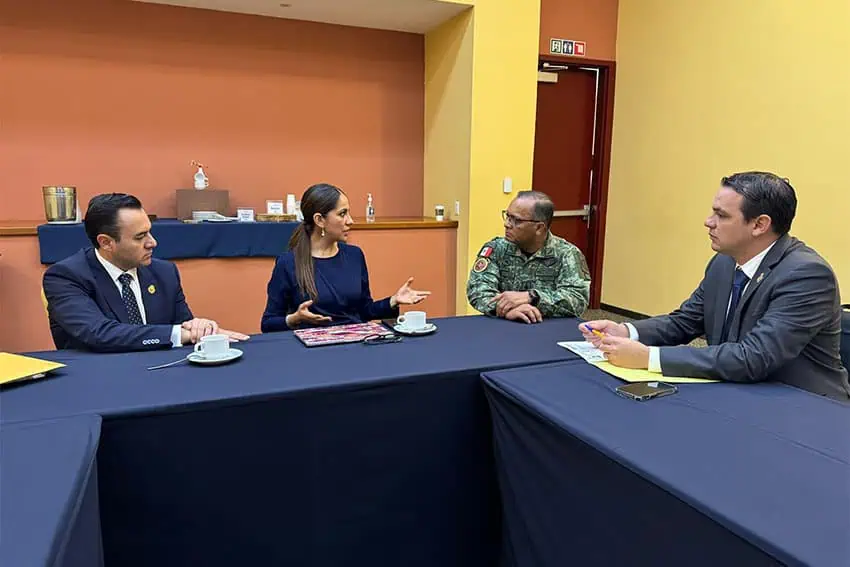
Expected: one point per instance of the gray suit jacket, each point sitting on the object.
(787, 326)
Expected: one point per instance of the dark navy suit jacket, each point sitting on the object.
(787, 326)
(86, 310)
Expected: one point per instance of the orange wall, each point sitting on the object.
(114, 95)
(592, 21)
(23, 321)
(233, 292)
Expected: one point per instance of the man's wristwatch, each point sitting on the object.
(534, 296)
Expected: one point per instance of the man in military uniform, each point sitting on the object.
(530, 273)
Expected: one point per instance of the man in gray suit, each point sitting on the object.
(768, 305)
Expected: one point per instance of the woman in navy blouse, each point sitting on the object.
(322, 280)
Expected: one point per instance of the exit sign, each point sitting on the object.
(567, 47)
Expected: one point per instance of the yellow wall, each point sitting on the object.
(502, 101)
(504, 106)
(709, 88)
(448, 125)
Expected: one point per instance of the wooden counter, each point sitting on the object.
(29, 227)
(385, 223)
(19, 227)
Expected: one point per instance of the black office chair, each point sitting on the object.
(845, 335)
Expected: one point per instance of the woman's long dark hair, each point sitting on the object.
(320, 198)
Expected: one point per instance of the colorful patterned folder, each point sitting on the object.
(322, 336)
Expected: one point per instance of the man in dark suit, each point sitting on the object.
(768, 305)
(116, 297)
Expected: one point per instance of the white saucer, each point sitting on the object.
(198, 358)
(426, 330)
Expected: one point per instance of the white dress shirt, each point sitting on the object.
(115, 272)
(749, 268)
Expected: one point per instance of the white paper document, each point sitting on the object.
(585, 350)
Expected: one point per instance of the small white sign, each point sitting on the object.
(274, 207)
(567, 47)
(245, 215)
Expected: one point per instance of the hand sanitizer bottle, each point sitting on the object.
(370, 210)
(201, 179)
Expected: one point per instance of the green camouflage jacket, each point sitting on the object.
(558, 272)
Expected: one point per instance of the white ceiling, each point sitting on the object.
(418, 16)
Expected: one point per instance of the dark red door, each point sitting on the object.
(563, 149)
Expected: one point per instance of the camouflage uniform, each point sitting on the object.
(557, 272)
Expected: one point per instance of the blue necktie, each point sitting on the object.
(738, 285)
(133, 313)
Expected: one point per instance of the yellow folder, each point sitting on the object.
(17, 367)
(633, 375)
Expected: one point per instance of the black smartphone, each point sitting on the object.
(642, 391)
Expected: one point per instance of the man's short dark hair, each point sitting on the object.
(544, 208)
(102, 214)
(765, 194)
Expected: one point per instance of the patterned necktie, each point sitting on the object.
(738, 285)
(129, 298)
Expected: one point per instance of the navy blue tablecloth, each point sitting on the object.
(48, 494)
(718, 474)
(179, 240)
(339, 455)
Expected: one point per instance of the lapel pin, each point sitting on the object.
(758, 280)
(151, 289)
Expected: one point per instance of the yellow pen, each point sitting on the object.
(595, 332)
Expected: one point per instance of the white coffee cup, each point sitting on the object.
(412, 320)
(213, 346)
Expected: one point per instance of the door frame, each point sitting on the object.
(601, 163)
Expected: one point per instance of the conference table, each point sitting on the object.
(48, 494)
(331, 456)
(716, 474)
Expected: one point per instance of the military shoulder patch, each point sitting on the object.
(480, 265)
(485, 252)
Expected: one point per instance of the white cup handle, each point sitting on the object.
(199, 347)
(400, 321)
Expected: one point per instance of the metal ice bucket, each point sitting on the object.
(60, 203)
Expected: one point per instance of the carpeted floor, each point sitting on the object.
(592, 314)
